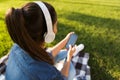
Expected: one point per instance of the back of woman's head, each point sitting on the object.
(27, 27)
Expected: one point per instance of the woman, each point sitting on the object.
(29, 59)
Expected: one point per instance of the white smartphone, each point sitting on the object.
(72, 40)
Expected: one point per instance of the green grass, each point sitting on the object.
(97, 22)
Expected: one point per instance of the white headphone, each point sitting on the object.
(50, 35)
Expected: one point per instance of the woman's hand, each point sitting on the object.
(70, 52)
(68, 36)
(56, 49)
(66, 67)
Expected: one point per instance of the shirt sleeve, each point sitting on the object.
(57, 75)
(65, 78)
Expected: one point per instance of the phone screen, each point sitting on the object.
(72, 40)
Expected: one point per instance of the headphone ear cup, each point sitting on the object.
(49, 37)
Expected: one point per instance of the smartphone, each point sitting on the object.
(72, 40)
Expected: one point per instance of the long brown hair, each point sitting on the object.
(27, 27)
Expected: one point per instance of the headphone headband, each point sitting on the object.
(49, 36)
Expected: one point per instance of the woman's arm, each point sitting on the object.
(55, 50)
(66, 67)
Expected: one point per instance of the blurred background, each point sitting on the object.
(96, 22)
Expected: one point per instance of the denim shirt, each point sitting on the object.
(21, 66)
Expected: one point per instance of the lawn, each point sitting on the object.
(97, 22)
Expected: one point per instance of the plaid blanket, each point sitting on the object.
(3, 62)
(80, 61)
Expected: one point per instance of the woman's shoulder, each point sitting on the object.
(28, 66)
